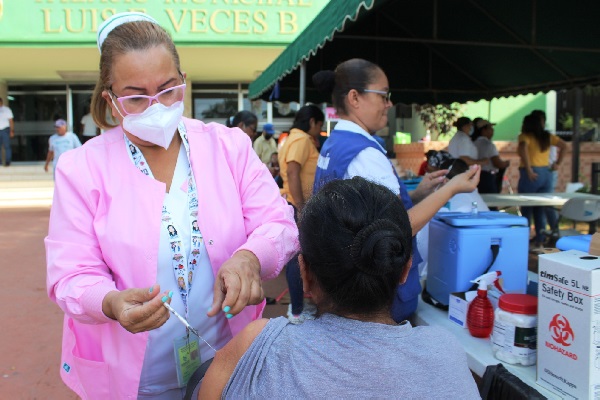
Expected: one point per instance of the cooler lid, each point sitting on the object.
(482, 218)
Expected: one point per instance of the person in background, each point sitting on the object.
(89, 129)
(552, 216)
(534, 174)
(298, 162)
(273, 166)
(298, 155)
(265, 145)
(59, 143)
(423, 168)
(461, 145)
(433, 160)
(486, 149)
(7, 132)
(159, 209)
(247, 122)
(355, 237)
(360, 93)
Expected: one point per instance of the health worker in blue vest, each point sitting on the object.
(361, 96)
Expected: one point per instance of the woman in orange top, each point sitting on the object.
(298, 164)
(298, 155)
(535, 176)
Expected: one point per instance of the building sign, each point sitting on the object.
(195, 22)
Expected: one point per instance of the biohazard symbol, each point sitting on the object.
(561, 331)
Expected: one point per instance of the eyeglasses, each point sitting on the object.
(138, 103)
(387, 96)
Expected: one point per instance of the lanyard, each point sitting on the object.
(183, 269)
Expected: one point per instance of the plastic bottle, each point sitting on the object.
(514, 338)
(480, 316)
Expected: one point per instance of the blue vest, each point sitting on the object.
(337, 153)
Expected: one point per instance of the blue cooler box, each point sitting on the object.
(461, 248)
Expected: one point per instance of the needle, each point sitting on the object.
(186, 323)
(447, 173)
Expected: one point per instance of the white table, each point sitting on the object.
(533, 199)
(479, 351)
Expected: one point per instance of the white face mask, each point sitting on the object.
(157, 124)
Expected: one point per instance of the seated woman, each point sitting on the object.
(356, 246)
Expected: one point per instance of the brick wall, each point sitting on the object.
(410, 156)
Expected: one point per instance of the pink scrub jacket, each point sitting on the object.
(104, 232)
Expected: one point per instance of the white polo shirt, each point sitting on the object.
(370, 163)
(486, 149)
(6, 114)
(462, 145)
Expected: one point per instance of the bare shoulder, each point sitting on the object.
(227, 359)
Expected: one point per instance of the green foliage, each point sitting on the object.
(439, 119)
(566, 121)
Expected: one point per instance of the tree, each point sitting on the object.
(566, 121)
(439, 119)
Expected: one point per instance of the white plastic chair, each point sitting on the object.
(579, 210)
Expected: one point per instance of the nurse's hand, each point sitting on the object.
(465, 182)
(137, 310)
(428, 185)
(237, 285)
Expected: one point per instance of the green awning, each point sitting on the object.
(331, 19)
(441, 51)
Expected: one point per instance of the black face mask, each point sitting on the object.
(267, 136)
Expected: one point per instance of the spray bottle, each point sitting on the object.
(480, 316)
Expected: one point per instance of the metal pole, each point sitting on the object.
(69, 116)
(595, 178)
(594, 190)
(302, 83)
(240, 97)
(575, 141)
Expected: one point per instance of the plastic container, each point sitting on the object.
(480, 315)
(514, 338)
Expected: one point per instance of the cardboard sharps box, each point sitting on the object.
(569, 323)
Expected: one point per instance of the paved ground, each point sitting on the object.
(31, 335)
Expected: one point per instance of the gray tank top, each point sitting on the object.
(335, 357)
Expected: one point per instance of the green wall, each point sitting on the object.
(507, 113)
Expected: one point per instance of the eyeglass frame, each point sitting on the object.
(387, 96)
(150, 98)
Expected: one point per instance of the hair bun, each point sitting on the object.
(378, 247)
(324, 81)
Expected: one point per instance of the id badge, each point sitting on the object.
(187, 358)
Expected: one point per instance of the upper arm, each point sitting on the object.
(268, 219)
(77, 276)
(523, 143)
(293, 169)
(226, 360)
(372, 165)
